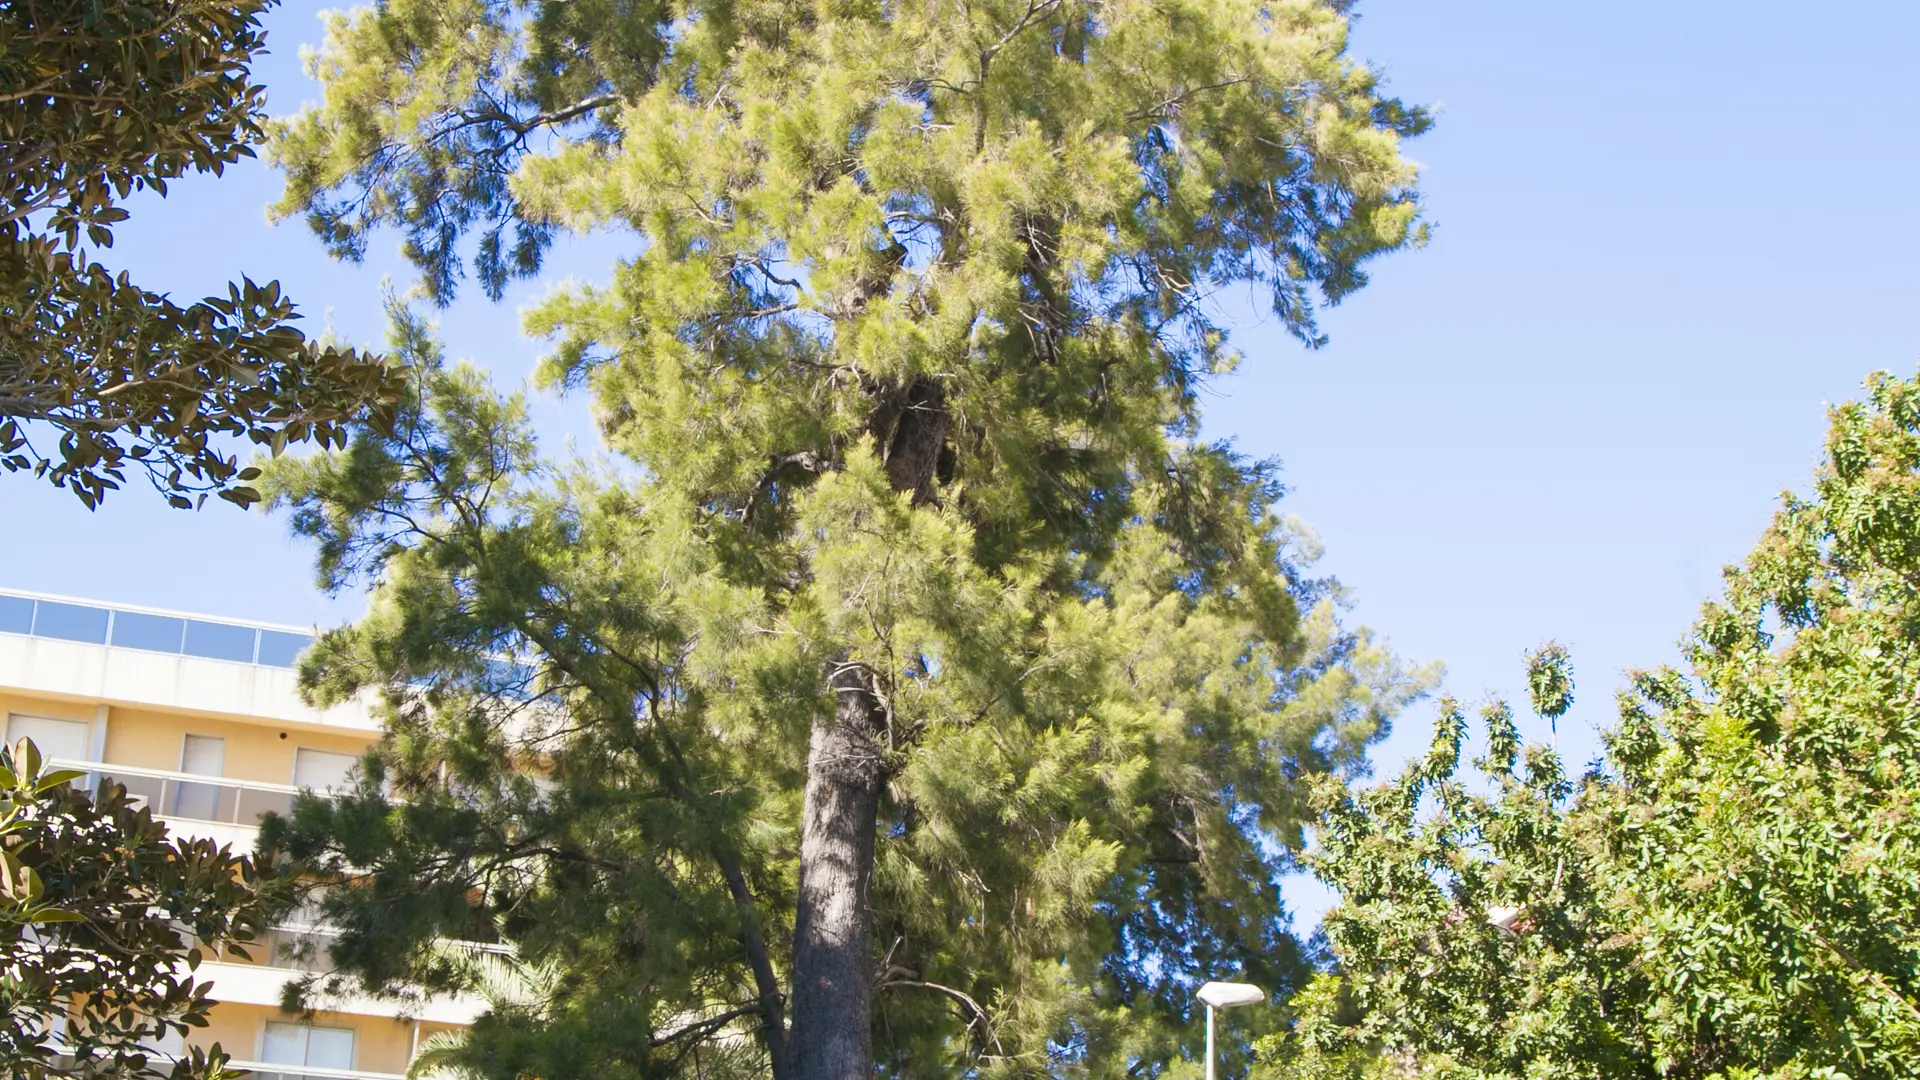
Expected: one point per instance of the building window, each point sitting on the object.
(305, 1044)
(323, 771)
(200, 755)
(65, 739)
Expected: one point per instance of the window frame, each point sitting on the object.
(287, 1068)
(293, 776)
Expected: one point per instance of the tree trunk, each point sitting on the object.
(832, 1033)
(833, 925)
(919, 435)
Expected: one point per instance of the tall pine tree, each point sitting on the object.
(929, 697)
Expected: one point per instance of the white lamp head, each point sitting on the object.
(1222, 995)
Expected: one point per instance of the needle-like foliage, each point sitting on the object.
(918, 691)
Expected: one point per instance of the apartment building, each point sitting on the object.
(200, 717)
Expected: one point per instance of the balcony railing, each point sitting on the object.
(261, 1070)
(305, 945)
(190, 797)
(258, 1070)
(151, 629)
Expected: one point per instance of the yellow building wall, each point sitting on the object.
(380, 1044)
(149, 739)
(258, 752)
(263, 753)
(11, 702)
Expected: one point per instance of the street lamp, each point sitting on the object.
(1219, 995)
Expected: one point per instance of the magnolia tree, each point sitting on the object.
(914, 690)
(103, 919)
(1737, 892)
(97, 102)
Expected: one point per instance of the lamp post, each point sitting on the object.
(1220, 995)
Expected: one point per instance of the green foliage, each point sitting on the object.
(1550, 680)
(1739, 896)
(1076, 827)
(98, 101)
(1477, 927)
(1221, 141)
(902, 384)
(99, 914)
(430, 109)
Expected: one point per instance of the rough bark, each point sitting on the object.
(832, 1036)
(833, 925)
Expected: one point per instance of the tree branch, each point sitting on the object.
(772, 1002)
(703, 1028)
(966, 1000)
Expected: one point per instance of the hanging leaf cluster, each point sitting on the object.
(98, 102)
(103, 920)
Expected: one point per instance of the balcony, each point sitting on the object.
(261, 1070)
(232, 982)
(214, 807)
(145, 656)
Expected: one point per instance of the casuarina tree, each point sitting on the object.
(911, 681)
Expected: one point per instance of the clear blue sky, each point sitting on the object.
(1668, 235)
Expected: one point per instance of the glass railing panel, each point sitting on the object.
(281, 649)
(70, 622)
(300, 949)
(256, 802)
(150, 791)
(155, 633)
(201, 801)
(16, 615)
(220, 641)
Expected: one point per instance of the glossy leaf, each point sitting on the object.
(103, 377)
